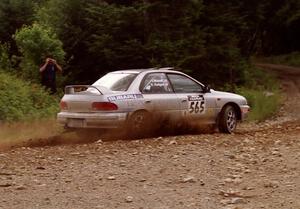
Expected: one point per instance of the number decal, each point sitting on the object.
(191, 107)
(196, 104)
(197, 107)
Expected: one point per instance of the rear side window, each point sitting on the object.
(116, 81)
(156, 83)
(183, 84)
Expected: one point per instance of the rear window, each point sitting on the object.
(116, 81)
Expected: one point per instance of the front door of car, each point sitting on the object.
(194, 102)
(159, 96)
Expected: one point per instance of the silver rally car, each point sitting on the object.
(130, 99)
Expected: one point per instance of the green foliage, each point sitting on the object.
(263, 104)
(259, 79)
(5, 64)
(100, 36)
(210, 40)
(262, 92)
(171, 31)
(36, 43)
(215, 65)
(68, 20)
(116, 36)
(20, 100)
(292, 59)
(13, 15)
(282, 28)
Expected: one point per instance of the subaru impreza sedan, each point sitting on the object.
(132, 100)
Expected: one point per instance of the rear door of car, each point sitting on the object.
(159, 96)
(194, 103)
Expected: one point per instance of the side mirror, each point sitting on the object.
(207, 89)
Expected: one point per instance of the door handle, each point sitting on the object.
(184, 100)
(148, 102)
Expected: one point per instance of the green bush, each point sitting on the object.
(5, 64)
(263, 104)
(35, 43)
(20, 100)
(262, 92)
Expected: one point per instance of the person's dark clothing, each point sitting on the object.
(49, 77)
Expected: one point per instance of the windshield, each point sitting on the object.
(116, 81)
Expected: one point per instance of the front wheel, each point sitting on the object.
(228, 119)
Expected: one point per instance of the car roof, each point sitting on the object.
(137, 71)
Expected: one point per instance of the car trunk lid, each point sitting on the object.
(81, 98)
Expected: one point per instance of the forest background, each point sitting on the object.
(212, 40)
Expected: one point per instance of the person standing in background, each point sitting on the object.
(48, 72)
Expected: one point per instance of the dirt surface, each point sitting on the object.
(290, 83)
(257, 167)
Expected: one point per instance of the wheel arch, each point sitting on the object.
(236, 108)
(136, 127)
(135, 111)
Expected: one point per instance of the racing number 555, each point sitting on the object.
(196, 107)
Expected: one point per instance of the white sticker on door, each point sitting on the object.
(196, 104)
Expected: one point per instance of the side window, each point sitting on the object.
(183, 84)
(156, 83)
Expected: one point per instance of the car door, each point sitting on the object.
(159, 96)
(194, 103)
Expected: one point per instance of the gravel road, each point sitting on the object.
(257, 167)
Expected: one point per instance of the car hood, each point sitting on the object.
(227, 94)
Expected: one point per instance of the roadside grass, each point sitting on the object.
(21, 133)
(291, 59)
(264, 104)
(24, 101)
(27, 111)
(262, 91)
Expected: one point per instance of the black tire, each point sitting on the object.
(228, 119)
(139, 124)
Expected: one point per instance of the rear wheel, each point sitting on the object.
(139, 124)
(228, 119)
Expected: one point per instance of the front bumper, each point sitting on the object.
(91, 120)
(245, 109)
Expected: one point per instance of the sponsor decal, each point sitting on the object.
(125, 97)
(196, 104)
(196, 98)
(159, 83)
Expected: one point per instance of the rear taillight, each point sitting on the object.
(63, 105)
(104, 106)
